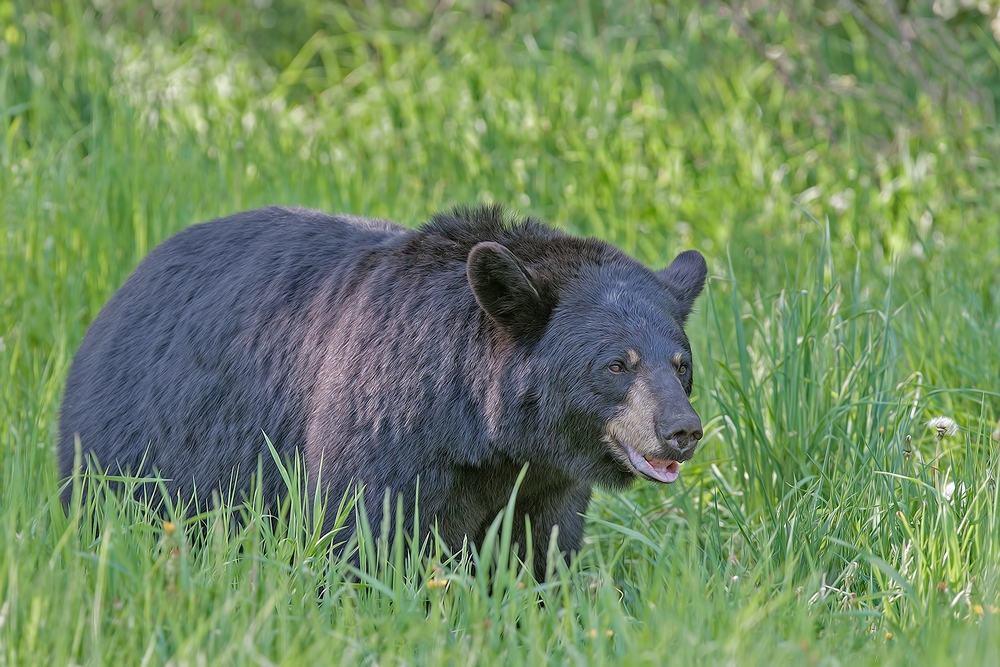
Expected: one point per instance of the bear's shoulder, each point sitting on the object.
(452, 235)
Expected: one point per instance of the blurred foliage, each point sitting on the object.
(711, 120)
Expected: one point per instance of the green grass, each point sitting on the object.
(844, 191)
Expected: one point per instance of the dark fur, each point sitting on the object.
(385, 353)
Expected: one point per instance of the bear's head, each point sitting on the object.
(607, 367)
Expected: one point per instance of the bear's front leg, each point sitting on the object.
(565, 511)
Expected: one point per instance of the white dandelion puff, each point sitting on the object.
(950, 489)
(945, 426)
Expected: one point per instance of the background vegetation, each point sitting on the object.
(838, 163)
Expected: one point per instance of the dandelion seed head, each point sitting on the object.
(945, 426)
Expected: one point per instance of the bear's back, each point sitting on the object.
(199, 348)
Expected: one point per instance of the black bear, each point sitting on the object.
(452, 354)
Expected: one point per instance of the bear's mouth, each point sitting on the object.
(656, 469)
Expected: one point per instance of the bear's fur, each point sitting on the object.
(454, 353)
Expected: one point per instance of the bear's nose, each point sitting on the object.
(685, 431)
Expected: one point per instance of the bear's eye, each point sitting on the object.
(616, 367)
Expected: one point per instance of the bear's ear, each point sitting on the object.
(505, 289)
(684, 279)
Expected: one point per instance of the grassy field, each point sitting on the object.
(838, 165)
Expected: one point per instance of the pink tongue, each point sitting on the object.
(661, 470)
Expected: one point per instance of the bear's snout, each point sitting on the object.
(655, 429)
(679, 434)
